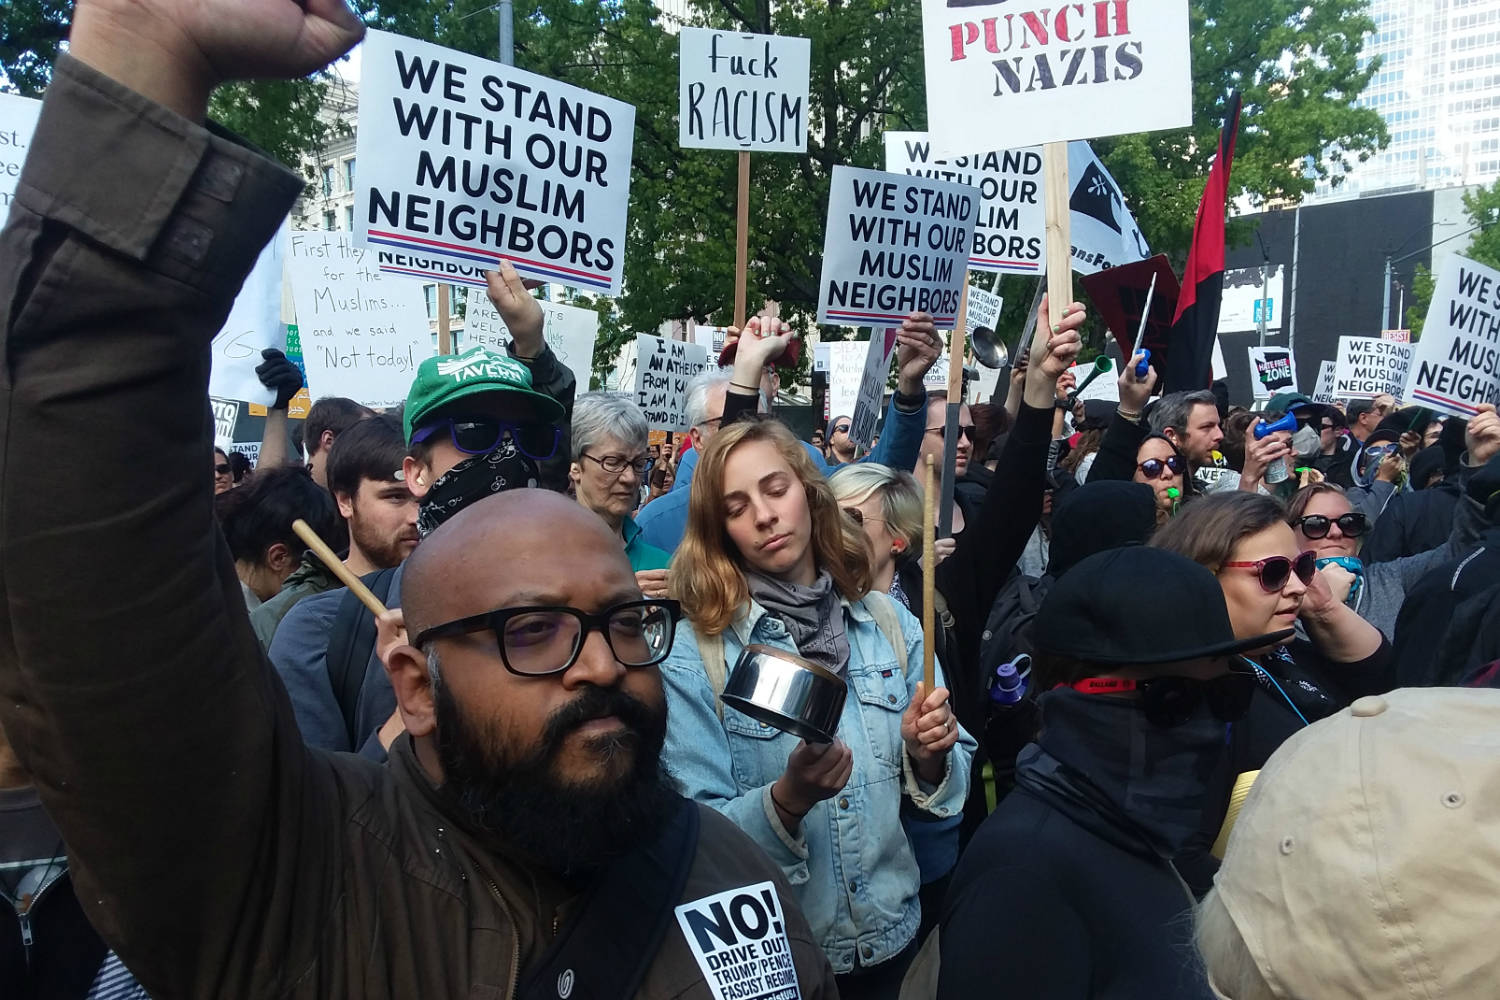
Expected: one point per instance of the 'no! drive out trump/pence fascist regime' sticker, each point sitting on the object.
(739, 939)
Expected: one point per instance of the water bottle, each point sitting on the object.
(1008, 686)
(1011, 721)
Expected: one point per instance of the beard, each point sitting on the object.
(385, 551)
(518, 797)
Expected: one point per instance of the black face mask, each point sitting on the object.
(1101, 753)
(519, 799)
(473, 479)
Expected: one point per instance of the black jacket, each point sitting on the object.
(1045, 908)
(65, 952)
(1413, 522)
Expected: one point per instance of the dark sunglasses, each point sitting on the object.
(480, 437)
(967, 431)
(841, 429)
(1352, 524)
(540, 641)
(221, 470)
(1169, 702)
(1151, 467)
(1276, 570)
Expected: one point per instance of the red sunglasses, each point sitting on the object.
(1276, 570)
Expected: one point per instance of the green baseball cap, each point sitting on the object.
(476, 383)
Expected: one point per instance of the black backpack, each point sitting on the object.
(1007, 630)
(351, 643)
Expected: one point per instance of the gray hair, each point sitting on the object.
(695, 408)
(1175, 409)
(600, 416)
(1227, 961)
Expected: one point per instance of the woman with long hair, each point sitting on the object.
(769, 558)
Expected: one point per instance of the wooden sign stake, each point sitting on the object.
(955, 400)
(742, 241)
(1059, 241)
(336, 566)
(929, 570)
(445, 338)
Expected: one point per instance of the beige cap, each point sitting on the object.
(1366, 860)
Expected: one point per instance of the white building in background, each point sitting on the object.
(1438, 89)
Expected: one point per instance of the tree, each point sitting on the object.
(30, 33)
(1482, 208)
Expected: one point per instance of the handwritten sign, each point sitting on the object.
(877, 372)
(464, 162)
(1272, 370)
(893, 245)
(846, 368)
(738, 938)
(1456, 365)
(742, 91)
(1105, 387)
(662, 372)
(1366, 367)
(569, 330)
(1324, 391)
(363, 333)
(17, 122)
(254, 324)
(1010, 234)
(1038, 73)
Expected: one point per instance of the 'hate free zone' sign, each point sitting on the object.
(894, 245)
(464, 162)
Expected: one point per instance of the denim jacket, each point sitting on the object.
(850, 862)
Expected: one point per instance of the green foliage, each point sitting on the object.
(279, 116)
(30, 33)
(1482, 209)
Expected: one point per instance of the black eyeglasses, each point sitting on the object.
(616, 464)
(480, 437)
(221, 470)
(1169, 702)
(966, 430)
(1276, 570)
(540, 641)
(1352, 524)
(1151, 467)
(841, 429)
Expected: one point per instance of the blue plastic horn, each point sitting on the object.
(1145, 363)
(1287, 423)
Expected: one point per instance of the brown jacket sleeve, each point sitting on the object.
(131, 684)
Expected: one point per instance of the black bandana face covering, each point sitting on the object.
(473, 479)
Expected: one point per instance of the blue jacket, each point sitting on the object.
(850, 863)
(664, 521)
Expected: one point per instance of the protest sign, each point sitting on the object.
(17, 121)
(1272, 370)
(894, 244)
(569, 330)
(742, 91)
(1456, 365)
(1120, 293)
(250, 449)
(254, 324)
(464, 162)
(1010, 234)
(1400, 336)
(1036, 74)
(872, 382)
(739, 940)
(1104, 233)
(846, 367)
(1246, 296)
(711, 337)
(663, 369)
(1105, 387)
(984, 311)
(1324, 391)
(363, 333)
(1365, 367)
(226, 413)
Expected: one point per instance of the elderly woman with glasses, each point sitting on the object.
(609, 462)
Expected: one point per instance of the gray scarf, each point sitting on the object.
(812, 616)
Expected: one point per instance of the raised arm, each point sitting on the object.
(1127, 429)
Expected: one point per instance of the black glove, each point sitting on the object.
(280, 375)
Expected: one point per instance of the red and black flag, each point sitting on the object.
(1190, 363)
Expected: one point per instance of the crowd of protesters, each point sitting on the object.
(1210, 713)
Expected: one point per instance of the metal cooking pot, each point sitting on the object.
(786, 692)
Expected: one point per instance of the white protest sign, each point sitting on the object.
(663, 369)
(1106, 386)
(742, 91)
(711, 337)
(1246, 297)
(893, 245)
(846, 368)
(877, 371)
(739, 940)
(363, 332)
(1456, 364)
(226, 412)
(1365, 367)
(463, 162)
(254, 324)
(984, 311)
(1044, 73)
(17, 121)
(569, 330)
(250, 449)
(1010, 235)
(1103, 232)
(1272, 370)
(1324, 391)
